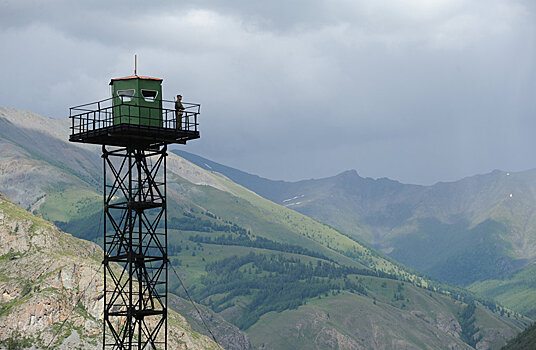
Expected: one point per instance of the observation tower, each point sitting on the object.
(135, 127)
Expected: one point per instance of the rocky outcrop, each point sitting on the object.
(228, 335)
(51, 288)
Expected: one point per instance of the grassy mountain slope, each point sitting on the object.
(516, 291)
(227, 335)
(324, 322)
(43, 273)
(524, 341)
(470, 230)
(264, 284)
(246, 257)
(34, 160)
(278, 223)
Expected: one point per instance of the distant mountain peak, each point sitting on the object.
(351, 172)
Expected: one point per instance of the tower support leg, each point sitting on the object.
(135, 248)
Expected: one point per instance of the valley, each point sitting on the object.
(285, 279)
(478, 232)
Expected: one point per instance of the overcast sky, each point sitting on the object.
(419, 91)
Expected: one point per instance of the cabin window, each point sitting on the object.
(149, 95)
(126, 95)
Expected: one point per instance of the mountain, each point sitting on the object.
(227, 335)
(273, 190)
(469, 231)
(46, 277)
(29, 154)
(524, 341)
(479, 228)
(516, 290)
(259, 265)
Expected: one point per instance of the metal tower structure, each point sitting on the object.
(134, 127)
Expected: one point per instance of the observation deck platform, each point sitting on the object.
(107, 122)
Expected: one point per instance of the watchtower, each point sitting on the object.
(134, 127)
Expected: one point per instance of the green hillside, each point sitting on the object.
(516, 291)
(524, 341)
(326, 320)
(481, 227)
(248, 259)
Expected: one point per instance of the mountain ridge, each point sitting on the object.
(376, 210)
(486, 217)
(216, 224)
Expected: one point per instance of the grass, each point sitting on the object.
(15, 213)
(16, 341)
(351, 316)
(74, 210)
(517, 292)
(242, 207)
(265, 218)
(175, 321)
(524, 341)
(70, 203)
(194, 266)
(355, 317)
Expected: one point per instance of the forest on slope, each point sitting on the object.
(259, 265)
(478, 232)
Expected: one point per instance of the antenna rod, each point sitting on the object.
(135, 64)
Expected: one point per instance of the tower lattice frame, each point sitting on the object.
(135, 238)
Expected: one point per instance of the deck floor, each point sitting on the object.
(124, 135)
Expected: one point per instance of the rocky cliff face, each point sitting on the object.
(51, 280)
(228, 335)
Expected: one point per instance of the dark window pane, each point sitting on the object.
(149, 95)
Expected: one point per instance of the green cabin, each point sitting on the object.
(137, 100)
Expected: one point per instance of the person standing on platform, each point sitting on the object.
(179, 108)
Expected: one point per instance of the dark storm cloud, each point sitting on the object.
(415, 90)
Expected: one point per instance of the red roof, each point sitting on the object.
(134, 77)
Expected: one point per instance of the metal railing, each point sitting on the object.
(115, 111)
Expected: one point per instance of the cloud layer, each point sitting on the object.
(417, 90)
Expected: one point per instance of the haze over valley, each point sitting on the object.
(272, 276)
